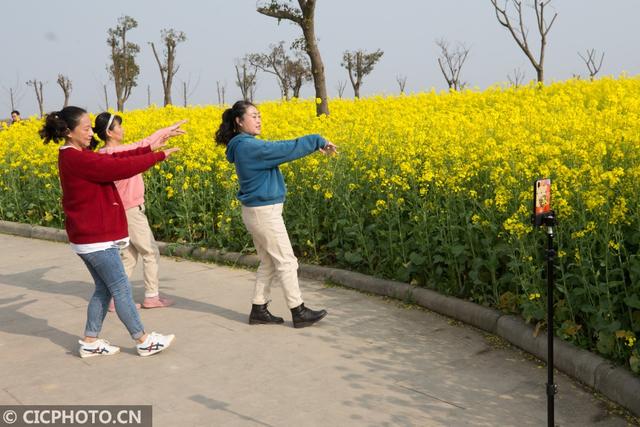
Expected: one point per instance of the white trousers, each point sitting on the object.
(278, 264)
(141, 242)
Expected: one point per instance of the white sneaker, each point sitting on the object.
(99, 347)
(154, 343)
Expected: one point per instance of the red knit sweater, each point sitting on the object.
(92, 207)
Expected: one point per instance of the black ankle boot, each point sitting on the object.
(260, 316)
(303, 316)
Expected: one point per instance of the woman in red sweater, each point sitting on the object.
(97, 226)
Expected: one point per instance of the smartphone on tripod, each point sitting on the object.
(541, 200)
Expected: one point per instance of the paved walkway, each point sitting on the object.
(371, 362)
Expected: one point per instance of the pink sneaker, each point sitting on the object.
(112, 306)
(157, 302)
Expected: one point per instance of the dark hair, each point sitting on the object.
(58, 124)
(227, 129)
(100, 128)
(15, 112)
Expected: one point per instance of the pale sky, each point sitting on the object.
(43, 38)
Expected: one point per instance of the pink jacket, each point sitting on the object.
(131, 190)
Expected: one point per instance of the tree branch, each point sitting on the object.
(282, 11)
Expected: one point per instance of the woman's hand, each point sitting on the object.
(329, 149)
(174, 129)
(170, 151)
(170, 131)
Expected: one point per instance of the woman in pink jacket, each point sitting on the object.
(109, 129)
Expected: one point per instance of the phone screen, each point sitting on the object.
(541, 199)
(543, 196)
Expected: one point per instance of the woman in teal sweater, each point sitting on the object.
(262, 194)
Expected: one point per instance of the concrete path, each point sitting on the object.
(371, 362)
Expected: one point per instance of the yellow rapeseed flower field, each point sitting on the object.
(432, 189)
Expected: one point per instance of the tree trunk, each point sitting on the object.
(297, 85)
(117, 77)
(125, 72)
(169, 80)
(106, 97)
(167, 96)
(40, 97)
(317, 69)
(184, 93)
(13, 107)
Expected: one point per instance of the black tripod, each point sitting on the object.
(549, 221)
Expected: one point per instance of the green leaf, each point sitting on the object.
(457, 249)
(333, 243)
(352, 257)
(634, 363)
(586, 308)
(606, 342)
(633, 301)
(417, 259)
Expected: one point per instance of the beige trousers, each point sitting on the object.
(141, 242)
(278, 264)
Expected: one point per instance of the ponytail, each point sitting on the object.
(227, 129)
(58, 124)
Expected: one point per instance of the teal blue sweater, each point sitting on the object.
(256, 161)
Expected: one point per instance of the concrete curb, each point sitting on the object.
(34, 231)
(618, 384)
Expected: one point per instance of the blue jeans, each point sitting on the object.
(110, 279)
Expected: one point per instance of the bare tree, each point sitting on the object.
(37, 86)
(590, 61)
(222, 88)
(291, 73)
(167, 65)
(275, 62)
(12, 97)
(342, 84)
(15, 93)
(299, 70)
(519, 32)
(246, 79)
(451, 62)
(123, 69)
(106, 97)
(517, 78)
(148, 95)
(359, 63)
(65, 84)
(402, 82)
(187, 90)
(304, 17)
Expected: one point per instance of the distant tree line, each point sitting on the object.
(301, 63)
